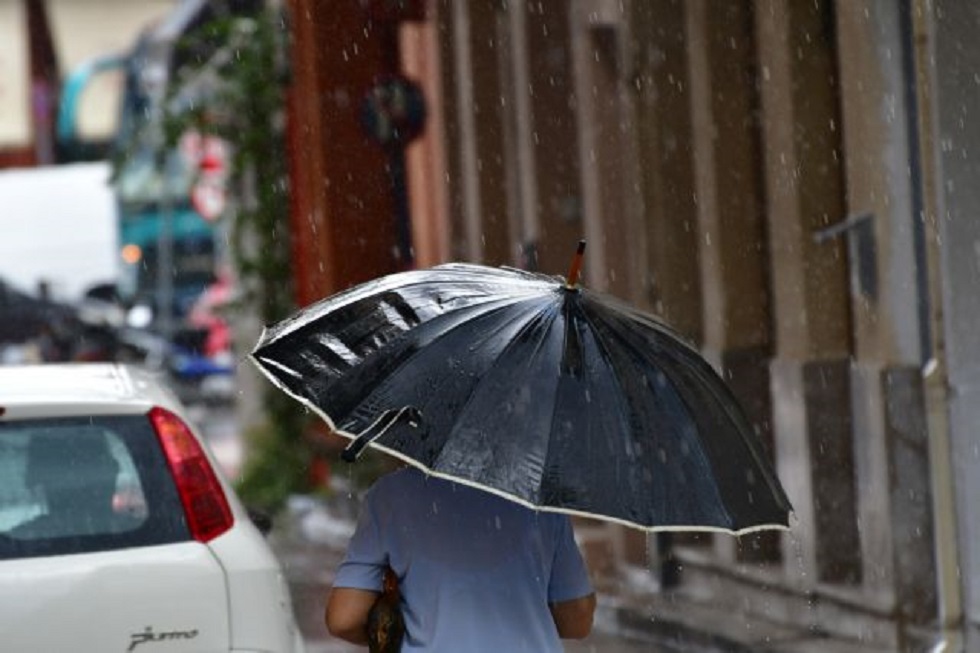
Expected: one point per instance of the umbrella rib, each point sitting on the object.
(480, 310)
(485, 309)
(490, 310)
(554, 408)
(510, 346)
(398, 281)
(723, 396)
(279, 366)
(724, 399)
(607, 358)
(543, 317)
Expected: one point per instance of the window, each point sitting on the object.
(76, 485)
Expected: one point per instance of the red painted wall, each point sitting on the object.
(343, 208)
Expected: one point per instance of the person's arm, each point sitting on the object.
(571, 598)
(347, 613)
(358, 580)
(574, 618)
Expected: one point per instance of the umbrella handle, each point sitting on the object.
(379, 427)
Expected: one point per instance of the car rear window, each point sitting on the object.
(80, 485)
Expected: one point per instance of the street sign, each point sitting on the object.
(208, 155)
(204, 151)
(209, 198)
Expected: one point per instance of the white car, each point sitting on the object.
(117, 530)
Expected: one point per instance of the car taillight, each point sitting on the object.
(205, 504)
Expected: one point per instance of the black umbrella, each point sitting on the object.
(527, 386)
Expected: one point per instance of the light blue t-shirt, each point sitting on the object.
(476, 571)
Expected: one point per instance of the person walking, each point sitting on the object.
(476, 572)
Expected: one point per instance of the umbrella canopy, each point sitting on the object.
(524, 385)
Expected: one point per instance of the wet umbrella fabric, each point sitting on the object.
(556, 397)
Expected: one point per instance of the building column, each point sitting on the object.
(666, 166)
(553, 137)
(345, 187)
(425, 159)
(729, 209)
(611, 199)
(810, 367)
(889, 302)
(955, 60)
(482, 51)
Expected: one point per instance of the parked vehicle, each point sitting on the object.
(118, 530)
(59, 228)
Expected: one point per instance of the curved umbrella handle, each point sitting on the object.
(377, 428)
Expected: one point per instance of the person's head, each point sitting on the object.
(74, 468)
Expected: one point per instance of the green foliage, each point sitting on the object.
(272, 471)
(238, 94)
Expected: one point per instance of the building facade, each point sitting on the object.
(41, 43)
(791, 185)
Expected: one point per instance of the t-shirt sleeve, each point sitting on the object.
(364, 564)
(569, 576)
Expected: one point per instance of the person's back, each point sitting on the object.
(477, 572)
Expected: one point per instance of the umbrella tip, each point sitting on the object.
(573, 272)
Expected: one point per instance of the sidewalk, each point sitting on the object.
(694, 618)
(693, 625)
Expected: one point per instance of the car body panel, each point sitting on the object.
(259, 598)
(172, 597)
(37, 389)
